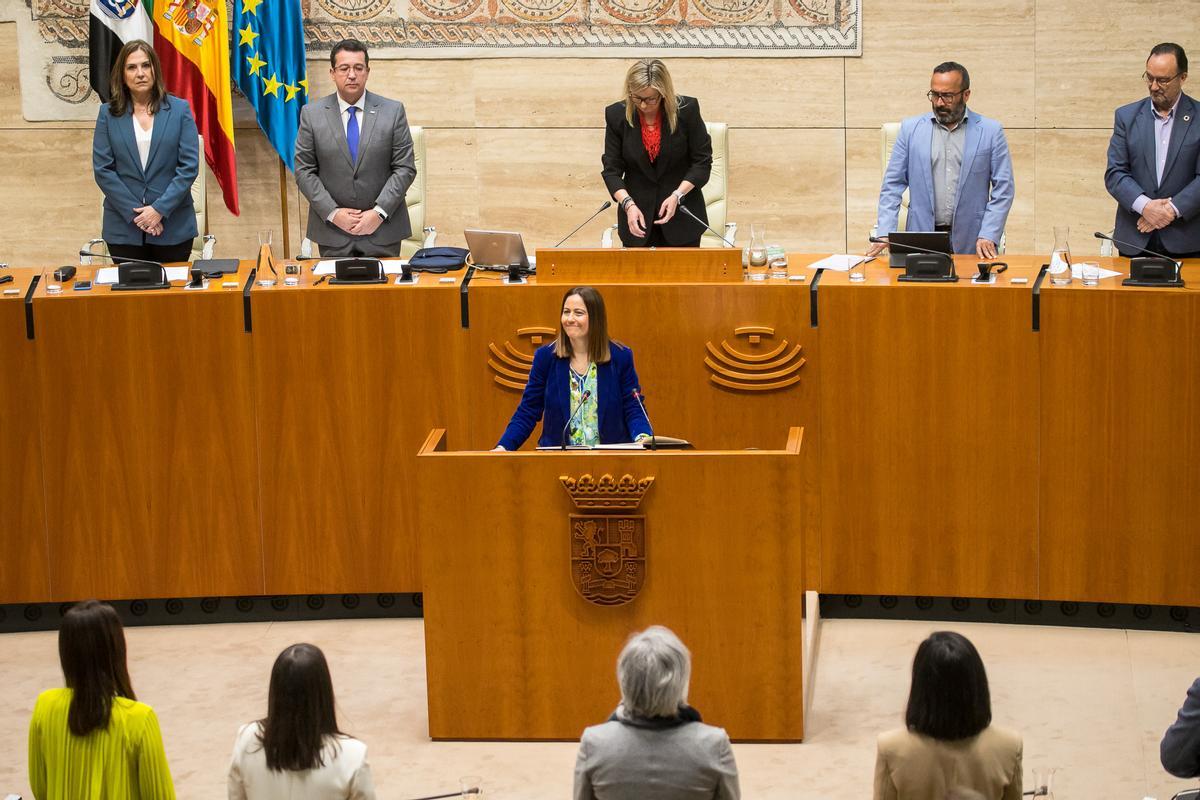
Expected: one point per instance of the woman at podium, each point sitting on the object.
(145, 156)
(582, 386)
(657, 156)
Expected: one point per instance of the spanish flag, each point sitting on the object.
(192, 40)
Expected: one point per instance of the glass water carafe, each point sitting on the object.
(1060, 258)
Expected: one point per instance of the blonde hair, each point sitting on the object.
(650, 73)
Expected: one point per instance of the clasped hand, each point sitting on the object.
(1156, 215)
(357, 223)
(148, 220)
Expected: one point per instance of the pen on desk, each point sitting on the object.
(320, 280)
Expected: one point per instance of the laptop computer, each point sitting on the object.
(938, 241)
(496, 248)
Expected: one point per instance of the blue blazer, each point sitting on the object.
(548, 397)
(985, 183)
(1132, 172)
(165, 184)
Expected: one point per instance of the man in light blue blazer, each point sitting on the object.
(957, 169)
(1154, 163)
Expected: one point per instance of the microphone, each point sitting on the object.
(688, 211)
(637, 395)
(1177, 264)
(607, 204)
(574, 414)
(883, 240)
(120, 259)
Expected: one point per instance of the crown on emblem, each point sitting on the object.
(606, 494)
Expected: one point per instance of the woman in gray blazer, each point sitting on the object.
(654, 747)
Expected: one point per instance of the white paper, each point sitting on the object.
(1077, 272)
(391, 266)
(838, 263)
(106, 276)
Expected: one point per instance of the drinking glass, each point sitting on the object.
(1089, 273)
(472, 787)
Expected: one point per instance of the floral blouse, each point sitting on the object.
(585, 430)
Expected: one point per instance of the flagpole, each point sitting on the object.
(283, 210)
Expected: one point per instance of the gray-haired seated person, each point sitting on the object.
(654, 746)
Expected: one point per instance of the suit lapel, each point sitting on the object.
(670, 143)
(161, 120)
(124, 124)
(369, 115)
(970, 147)
(923, 139)
(1144, 136)
(333, 116)
(643, 158)
(1185, 113)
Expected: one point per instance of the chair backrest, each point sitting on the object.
(888, 132)
(715, 192)
(414, 198)
(200, 201)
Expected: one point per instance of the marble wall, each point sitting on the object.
(515, 143)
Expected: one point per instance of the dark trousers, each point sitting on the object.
(1155, 244)
(162, 253)
(657, 239)
(360, 247)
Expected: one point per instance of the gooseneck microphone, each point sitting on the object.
(637, 395)
(953, 273)
(120, 259)
(566, 428)
(1176, 262)
(688, 211)
(607, 204)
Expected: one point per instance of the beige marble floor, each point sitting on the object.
(1092, 703)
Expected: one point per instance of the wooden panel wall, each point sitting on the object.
(515, 143)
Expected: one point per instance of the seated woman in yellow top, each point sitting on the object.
(93, 740)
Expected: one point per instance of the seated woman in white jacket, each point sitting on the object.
(297, 752)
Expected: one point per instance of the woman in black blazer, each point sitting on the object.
(657, 154)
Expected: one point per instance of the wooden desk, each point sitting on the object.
(512, 649)
(148, 437)
(348, 380)
(929, 435)
(24, 570)
(1120, 442)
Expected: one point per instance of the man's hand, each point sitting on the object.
(368, 223)
(985, 248)
(347, 218)
(637, 223)
(1156, 215)
(148, 220)
(876, 248)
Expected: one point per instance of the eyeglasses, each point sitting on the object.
(343, 69)
(945, 97)
(645, 101)
(1151, 80)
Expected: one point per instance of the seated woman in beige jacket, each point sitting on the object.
(949, 746)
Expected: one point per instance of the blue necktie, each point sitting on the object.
(352, 134)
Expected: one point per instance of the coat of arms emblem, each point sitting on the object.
(608, 547)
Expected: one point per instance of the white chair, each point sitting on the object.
(715, 192)
(888, 132)
(414, 200)
(202, 245)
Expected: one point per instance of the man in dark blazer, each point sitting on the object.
(1154, 163)
(656, 189)
(1179, 749)
(354, 163)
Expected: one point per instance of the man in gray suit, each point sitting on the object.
(354, 163)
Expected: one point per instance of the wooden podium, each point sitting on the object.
(513, 545)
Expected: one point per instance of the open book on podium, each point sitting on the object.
(655, 442)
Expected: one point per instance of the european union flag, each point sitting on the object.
(268, 65)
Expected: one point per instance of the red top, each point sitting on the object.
(652, 138)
